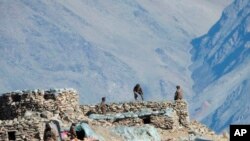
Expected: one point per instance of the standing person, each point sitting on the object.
(103, 105)
(138, 91)
(178, 93)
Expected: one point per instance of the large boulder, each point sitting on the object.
(141, 133)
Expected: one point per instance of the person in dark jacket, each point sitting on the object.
(103, 105)
(72, 132)
(178, 93)
(138, 91)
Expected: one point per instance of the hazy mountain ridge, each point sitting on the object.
(101, 48)
(226, 40)
(235, 109)
(221, 59)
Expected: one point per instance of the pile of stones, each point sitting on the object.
(181, 109)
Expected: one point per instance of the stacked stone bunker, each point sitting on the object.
(23, 113)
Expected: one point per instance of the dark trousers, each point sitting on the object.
(136, 95)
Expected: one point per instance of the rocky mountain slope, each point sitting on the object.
(102, 48)
(222, 59)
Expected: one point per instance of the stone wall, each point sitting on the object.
(127, 107)
(163, 115)
(23, 114)
(15, 104)
(31, 129)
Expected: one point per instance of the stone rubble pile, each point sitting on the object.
(181, 109)
(201, 129)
